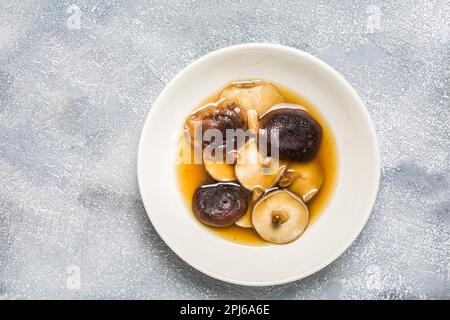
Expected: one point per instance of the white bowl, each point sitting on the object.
(348, 209)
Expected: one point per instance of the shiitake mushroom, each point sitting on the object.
(246, 220)
(253, 95)
(220, 204)
(280, 216)
(221, 115)
(303, 178)
(219, 170)
(251, 170)
(299, 133)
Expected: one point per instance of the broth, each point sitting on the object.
(191, 176)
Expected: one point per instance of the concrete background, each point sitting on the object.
(73, 98)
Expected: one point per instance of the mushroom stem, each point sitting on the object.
(252, 120)
(288, 178)
(257, 193)
(279, 216)
(267, 162)
(276, 219)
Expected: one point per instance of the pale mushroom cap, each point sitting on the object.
(252, 120)
(253, 95)
(219, 170)
(251, 173)
(309, 178)
(294, 220)
(246, 220)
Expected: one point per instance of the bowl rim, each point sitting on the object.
(349, 89)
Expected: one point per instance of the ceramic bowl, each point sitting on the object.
(348, 209)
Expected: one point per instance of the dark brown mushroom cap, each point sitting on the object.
(299, 133)
(221, 204)
(221, 116)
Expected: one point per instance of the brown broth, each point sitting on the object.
(191, 176)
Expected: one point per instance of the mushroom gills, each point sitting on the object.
(253, 95)
(253, 170)
(280, 216)
(304, 179)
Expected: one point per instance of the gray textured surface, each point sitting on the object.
(72, 103)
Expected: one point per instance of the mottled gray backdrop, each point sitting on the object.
(78, 77)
